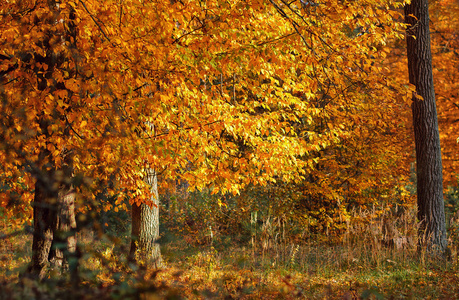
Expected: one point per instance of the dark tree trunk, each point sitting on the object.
(145, 227)
(431, 214)
(54, 227)
(43, 219)
(54, 209)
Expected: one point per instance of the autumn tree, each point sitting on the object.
(238, 94)
(428, 152)
(28, 69)
(50, 96)
(362, 154)
(81, 114)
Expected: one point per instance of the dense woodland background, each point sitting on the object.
(225, 150)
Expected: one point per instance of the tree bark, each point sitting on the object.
(54, 227)
(145, 226)
(432, 231)
(64, 240)
(43, 216)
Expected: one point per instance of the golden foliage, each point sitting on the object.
(220, 93)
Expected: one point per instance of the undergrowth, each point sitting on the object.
(362, 265)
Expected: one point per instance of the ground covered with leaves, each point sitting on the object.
(225, 269)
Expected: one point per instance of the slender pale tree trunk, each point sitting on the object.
(145, 226)
(428, 152)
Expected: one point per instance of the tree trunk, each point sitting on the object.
(54, 223)
(53, 205)
(432, 231)
(145, 226)
(64, 240)
(43, 216)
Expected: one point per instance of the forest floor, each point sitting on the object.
(229, 270)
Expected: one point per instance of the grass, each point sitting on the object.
(359, 267)
(317, 272)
